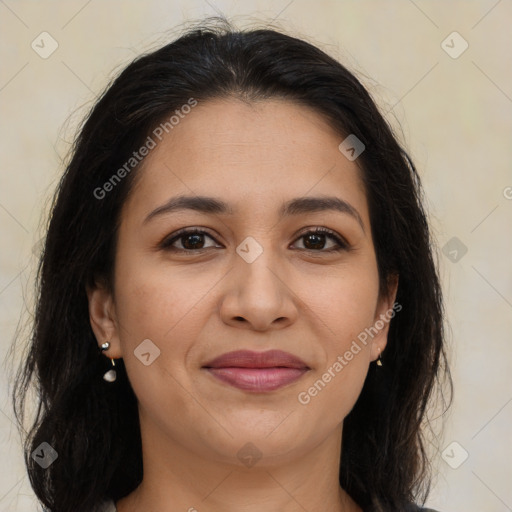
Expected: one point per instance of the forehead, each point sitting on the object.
(260, 152)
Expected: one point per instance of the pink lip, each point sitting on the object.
(257, 371)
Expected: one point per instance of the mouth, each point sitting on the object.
(257, 371)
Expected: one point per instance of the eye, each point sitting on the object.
(189, 239)
(315, 240)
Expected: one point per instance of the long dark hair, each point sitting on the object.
(93, 425)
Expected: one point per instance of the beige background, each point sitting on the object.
(456, 117)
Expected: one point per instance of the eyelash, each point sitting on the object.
(166, 244)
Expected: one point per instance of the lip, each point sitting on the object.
(257, 371)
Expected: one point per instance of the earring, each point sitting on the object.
(110, 375)
(379, 360)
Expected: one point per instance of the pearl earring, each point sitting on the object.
(110, 375)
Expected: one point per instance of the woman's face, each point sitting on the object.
(255, 279)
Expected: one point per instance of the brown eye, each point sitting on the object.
(189, 240)
(316, 240)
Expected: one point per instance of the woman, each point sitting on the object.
(238, 306)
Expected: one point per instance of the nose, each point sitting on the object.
(258, 296)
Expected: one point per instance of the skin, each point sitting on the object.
(197, 305)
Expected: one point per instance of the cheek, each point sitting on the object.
(155, 301)
(149, 306)
(154, 307)
(345, 302)
(345, 306)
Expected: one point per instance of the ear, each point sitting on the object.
(386, 310)
(102, 316)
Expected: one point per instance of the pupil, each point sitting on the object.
(196, 240)
(319, 241)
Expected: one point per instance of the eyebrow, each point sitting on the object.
(300, 205)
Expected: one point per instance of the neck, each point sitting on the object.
(180, 479)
